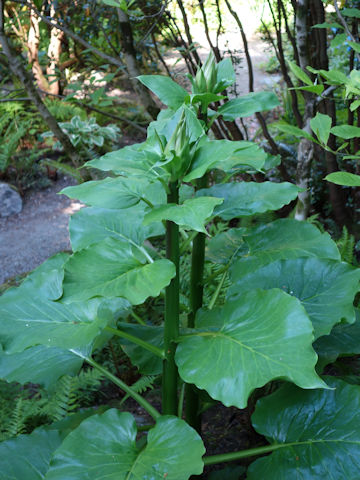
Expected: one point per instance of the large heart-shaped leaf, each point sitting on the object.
(45, 281)
(27, 457)
(92, 225)
(326, 288)
(169, 92)
(282, 239)
(41, 365)
(248, 198)
(104, 447)
(343, 340)
(109, 269)
(246, 343)
(117, 193)
(225, 155)
(132, 160)
(191, 215)
(30, 321)
(248, 104)
(315, 434)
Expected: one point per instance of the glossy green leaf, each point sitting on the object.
(343, 340)
(104, 447)
(147, 363)
(109, 269)
(225, 75)
(351, 12)
(40, 365)
(30, 322)
(132, 160)
(116, 193)
(45, 281)
(284, 239)
(169, 92)
(191, 215)
(92, 225)
(295, 131)
(326, 288)
(27, 457)
(225, 155)
(300, 74)
(315, 434)
(248, 104)
(346, 131)
(318, 89)
(344, 178)
(247, 198)
(244, 344)
(321, 125)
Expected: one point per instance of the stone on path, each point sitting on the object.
(10, 200)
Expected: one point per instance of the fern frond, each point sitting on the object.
(64, 168)
(346, 246)
(141, 385)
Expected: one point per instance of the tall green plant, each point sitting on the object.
(285, 287)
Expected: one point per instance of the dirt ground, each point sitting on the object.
(41, 229)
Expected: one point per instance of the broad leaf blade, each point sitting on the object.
(92, 225)
(241, 346)
(27, 457)
(344, 178)
(310, 440)
(191, 215)
(116, 193)
(321, 126)
(109, 269)
(225, 155)
(248, 104)
(346, 131)
(169, 92)
(325, 288)
(104, 446)
(248, 198)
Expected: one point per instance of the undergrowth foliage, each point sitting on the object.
(256, 299)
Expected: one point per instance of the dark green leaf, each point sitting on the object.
(344, 178)
(104, 446)
(346, 131)
(300, 74)
(191, 215)
(116, 193)
(169, 92)
(27, 457)
(248, 104)
(326, 288)
(92, 225)
(315, 434)
(295, 131)
(225, 155)
(249, 198)
(321, 125)
(110, 269)
(246, 343)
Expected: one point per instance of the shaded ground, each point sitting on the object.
(39, 231)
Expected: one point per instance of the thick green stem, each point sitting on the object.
(230, 457)
(147, 346)
(196, 300)
(141, 401)
(171, 326)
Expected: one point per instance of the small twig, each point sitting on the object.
(345, 25)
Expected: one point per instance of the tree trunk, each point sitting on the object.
(306, 147)
(54, 51)
(33, 43)
(18, 69)
(131, 64)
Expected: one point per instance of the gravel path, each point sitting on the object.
(39, 231)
